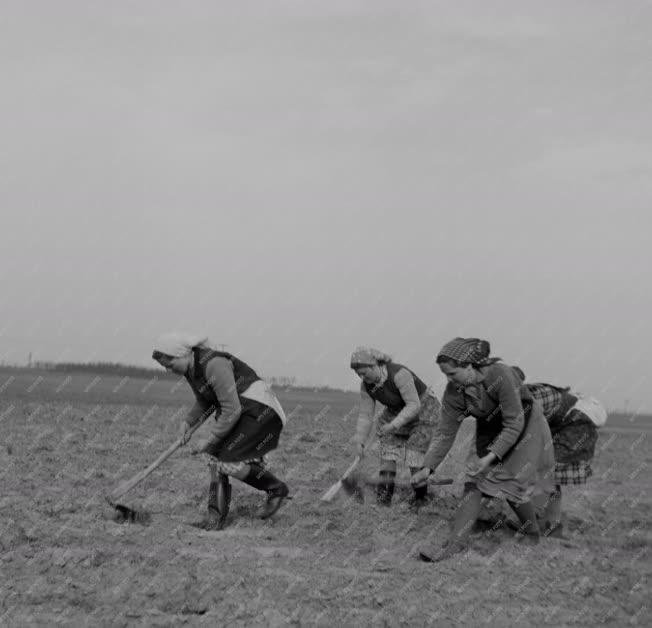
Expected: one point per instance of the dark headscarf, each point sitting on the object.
(473, 351)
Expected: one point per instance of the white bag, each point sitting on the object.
(592, 408)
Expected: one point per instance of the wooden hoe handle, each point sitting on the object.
(126, 486)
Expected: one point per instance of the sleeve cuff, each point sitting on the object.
(499, 454)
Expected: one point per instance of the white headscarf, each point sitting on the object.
(368, 356)
(177, 344)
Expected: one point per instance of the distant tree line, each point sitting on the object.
(282, 381)
(106, 368)
(126, 370)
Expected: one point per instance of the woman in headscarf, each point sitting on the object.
(573, 425)
(248, 420)
(574, 436)
(406, 423)
(513, 440)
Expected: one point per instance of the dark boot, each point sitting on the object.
(219, 500)
(420, 494)
(554, 531)
(385, 488)
(465, 516)
(529, 530)
(353, 488)
(419, 498)
(276, 490)
(551, 519)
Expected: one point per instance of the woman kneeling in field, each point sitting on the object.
(405, 425)
(513, 440)
(574, 436)
(248, 420)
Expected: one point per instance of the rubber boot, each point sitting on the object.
(527, 515)
(465, 516)
(420, 495)
(385, 488)
(551, 519)
(219, 500)
(276, 490)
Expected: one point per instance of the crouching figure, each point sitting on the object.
(248, 421)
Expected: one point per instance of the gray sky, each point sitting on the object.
(297, 178)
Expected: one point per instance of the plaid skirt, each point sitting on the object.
(402, 454)
(574, 438)
(577, 472)
(421, 429)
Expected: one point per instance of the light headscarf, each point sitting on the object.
(368, 356)
(473, 351)
(177, 344)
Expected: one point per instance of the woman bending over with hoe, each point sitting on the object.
(513, 440)
(406, 423)
(248, 420)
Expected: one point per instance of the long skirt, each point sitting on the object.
(574, 438)
(410, 449)
(528, 470)
(256, 433)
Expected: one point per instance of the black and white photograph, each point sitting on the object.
(325, 313)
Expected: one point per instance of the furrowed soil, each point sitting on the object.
(68, 440)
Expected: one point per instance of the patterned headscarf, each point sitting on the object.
(368, 356)
(177, 344)
(468, 351)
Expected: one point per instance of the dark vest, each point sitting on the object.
(388, 394)
(243, 374)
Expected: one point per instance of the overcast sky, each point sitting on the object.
(297, 178)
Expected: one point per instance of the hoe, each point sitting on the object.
(124, 513)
